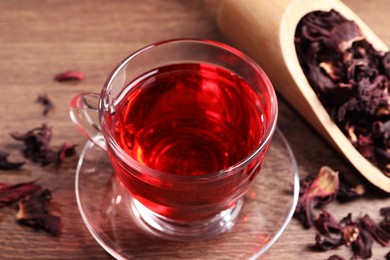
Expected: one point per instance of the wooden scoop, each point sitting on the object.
(265, 29)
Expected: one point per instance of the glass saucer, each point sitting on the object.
(268, 208)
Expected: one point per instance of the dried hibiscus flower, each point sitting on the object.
(350, 78)
(33, 212)
(349, 230)
(316, 192)
(66, 150)
(334, 234)
(380, 235)
(7, 165)
(324, 243)
(362, 246)
(69, 75)
(37, 146)
(36, 143)
(46, 102)
(359, 235)
(12, 192)
(326, 224)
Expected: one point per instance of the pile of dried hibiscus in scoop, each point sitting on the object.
(325, 187)
(350, 78)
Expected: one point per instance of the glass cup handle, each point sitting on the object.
(84, 112)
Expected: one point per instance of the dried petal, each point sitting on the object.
(326, 224)
(33, 212)
(349, 230)
(13, 192)
(324, 243)
(380, 235)
(319, 192)
(7, 165)
(386, 64)
(345, 34)
(66, 150)
(46, 102)
(385, 212)
(362, 247)
(69, 75)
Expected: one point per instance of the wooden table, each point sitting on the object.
(41, 38)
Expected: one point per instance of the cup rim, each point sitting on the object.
(226, 172)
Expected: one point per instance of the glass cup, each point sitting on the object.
(195, 199)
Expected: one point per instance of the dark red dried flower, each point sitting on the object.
(316, 192)
(385, 212)
(66, 150)
(7, 165)
(33, 212)
(326, 224)
(349, 230)
(46, 102)
(36, 143)
(359, 235)
(69, 75)
(380, 235)
(324, 243)
(362, 246)
(37, 146)
(13, 192)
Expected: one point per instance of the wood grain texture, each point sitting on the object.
(41, 38)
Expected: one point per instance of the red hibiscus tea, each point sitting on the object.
(186, 124)
(187, 120)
